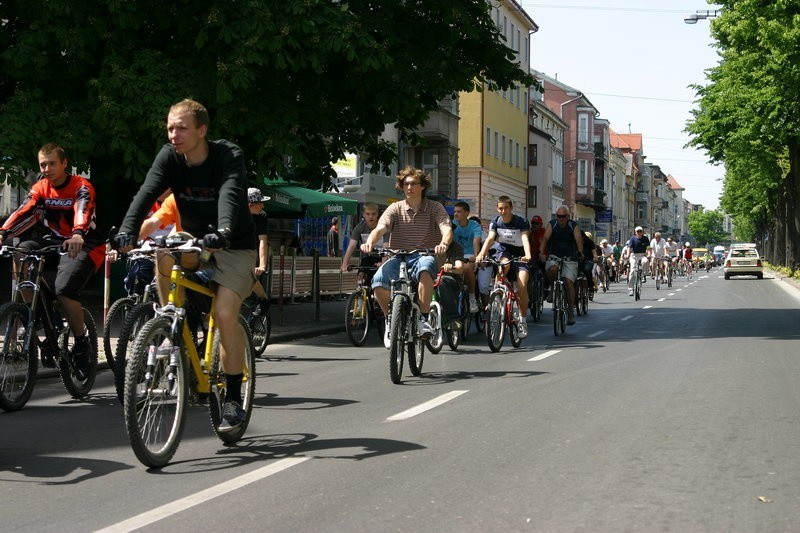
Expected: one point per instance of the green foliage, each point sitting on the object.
(749, 112)
(302, 80)
(706, 227)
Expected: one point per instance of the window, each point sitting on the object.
(583, 128)
(430, 164)
(496, 144)
(532, 196)
(533, 155)
(640, 211)
(510, 152)
(583, 166)
(511, 95)
(503, 148)
(489, 141)
(516, 155)
(513, 35)
(525, 157)
(558, 169)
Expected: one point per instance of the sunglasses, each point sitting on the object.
(561, 216)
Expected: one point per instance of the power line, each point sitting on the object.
(641, 97)
(605, 8)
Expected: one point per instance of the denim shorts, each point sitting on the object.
(416, 264)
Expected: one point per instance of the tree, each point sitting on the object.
(705, 227)
(749, 118)
(298, 82)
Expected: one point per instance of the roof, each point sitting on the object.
(623, 141)
(673, 183)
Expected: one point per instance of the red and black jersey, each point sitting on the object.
(64, 210)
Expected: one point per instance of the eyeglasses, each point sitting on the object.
(561, 216)
(411, 183)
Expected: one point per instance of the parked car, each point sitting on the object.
(743, 260)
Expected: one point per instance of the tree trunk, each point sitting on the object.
(792, 211)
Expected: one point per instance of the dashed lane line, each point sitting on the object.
(545, 355)
(597, 333)
(627, 318)
(175, 507)
(647, 307)
(427, 406)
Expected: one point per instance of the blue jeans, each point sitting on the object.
(416, 264)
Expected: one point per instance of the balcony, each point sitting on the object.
(600, 151)
(595, 200)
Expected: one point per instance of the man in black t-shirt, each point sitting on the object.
(256, 204)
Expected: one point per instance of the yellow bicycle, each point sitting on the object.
(166, 373)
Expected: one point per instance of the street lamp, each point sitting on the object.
(702, 14)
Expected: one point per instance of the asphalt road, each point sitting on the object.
(679, 412)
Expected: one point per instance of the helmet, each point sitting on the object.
(588, 234)
(688, 244)
(536, 219)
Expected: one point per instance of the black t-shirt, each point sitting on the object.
(260, 221)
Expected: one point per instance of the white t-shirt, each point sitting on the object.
(672, 248)
(659, 247)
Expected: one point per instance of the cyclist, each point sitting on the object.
(588, 264)
(413, 223)
(659, 253)
(672, 252)
(708, 260)
(65, 205)
(512, 232)
(636, 252)
(468, 234)
(359, 235)
(255, 203)
(687, 257)
(209, 181)
(606, 257)
(563, 239)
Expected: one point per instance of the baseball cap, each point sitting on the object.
(536, 219)
(604, 241)
(638, 228)
(254, 195)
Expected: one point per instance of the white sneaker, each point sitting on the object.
(424, 330)
(387, 339)
(473, 304)
(522, 328)
(630, 292)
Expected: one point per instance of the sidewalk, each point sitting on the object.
(299, 320)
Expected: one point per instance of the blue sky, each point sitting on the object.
(635, 59)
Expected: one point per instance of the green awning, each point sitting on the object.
(306, 202)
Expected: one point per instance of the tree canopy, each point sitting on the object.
(296, 83)
(706, 228)
(749, 118)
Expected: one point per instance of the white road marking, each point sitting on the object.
(175, 507)
(671, 294)
(679, 290)
(661, 299)
(627, 318)
(545, 355)
(427, 406)
(647, 307)
(597, 333)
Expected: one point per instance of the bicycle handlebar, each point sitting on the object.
(7, 251)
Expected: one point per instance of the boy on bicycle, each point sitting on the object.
(513, 233)
(65, 204)
(209, 181)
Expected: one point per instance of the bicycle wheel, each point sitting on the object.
(156, 394)
(260, 330)
(637, 286)
(134, 321)
(401, 309)
(513, 327)
(584, 302)
(495, 322)
(658, 280)
(435, 341)
(580, 291)
(17, 365)
(416, 356)
(537, 297)
(113, 325)
(77, 388)
(356, 319)
(669, 277)
(559, 310)
(218, 386)
(453, 336)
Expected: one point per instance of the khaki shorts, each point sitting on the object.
(570, 270)
(233, 269)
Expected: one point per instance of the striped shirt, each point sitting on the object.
(414, 229)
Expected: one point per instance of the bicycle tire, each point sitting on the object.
(637, 286)
(113, 327)
(580, 289)
(669, 277)
(513, 328)
(260, 331)
(218, 386)
(401, 308)
(658, 280)
(416, 356)
(559, 309)
(17, 366)
(436, 341)
(135, 320)
(155, 407)
(356, 319)
(537, 298)
(454, 337)
(78, 388)
(495, 323)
